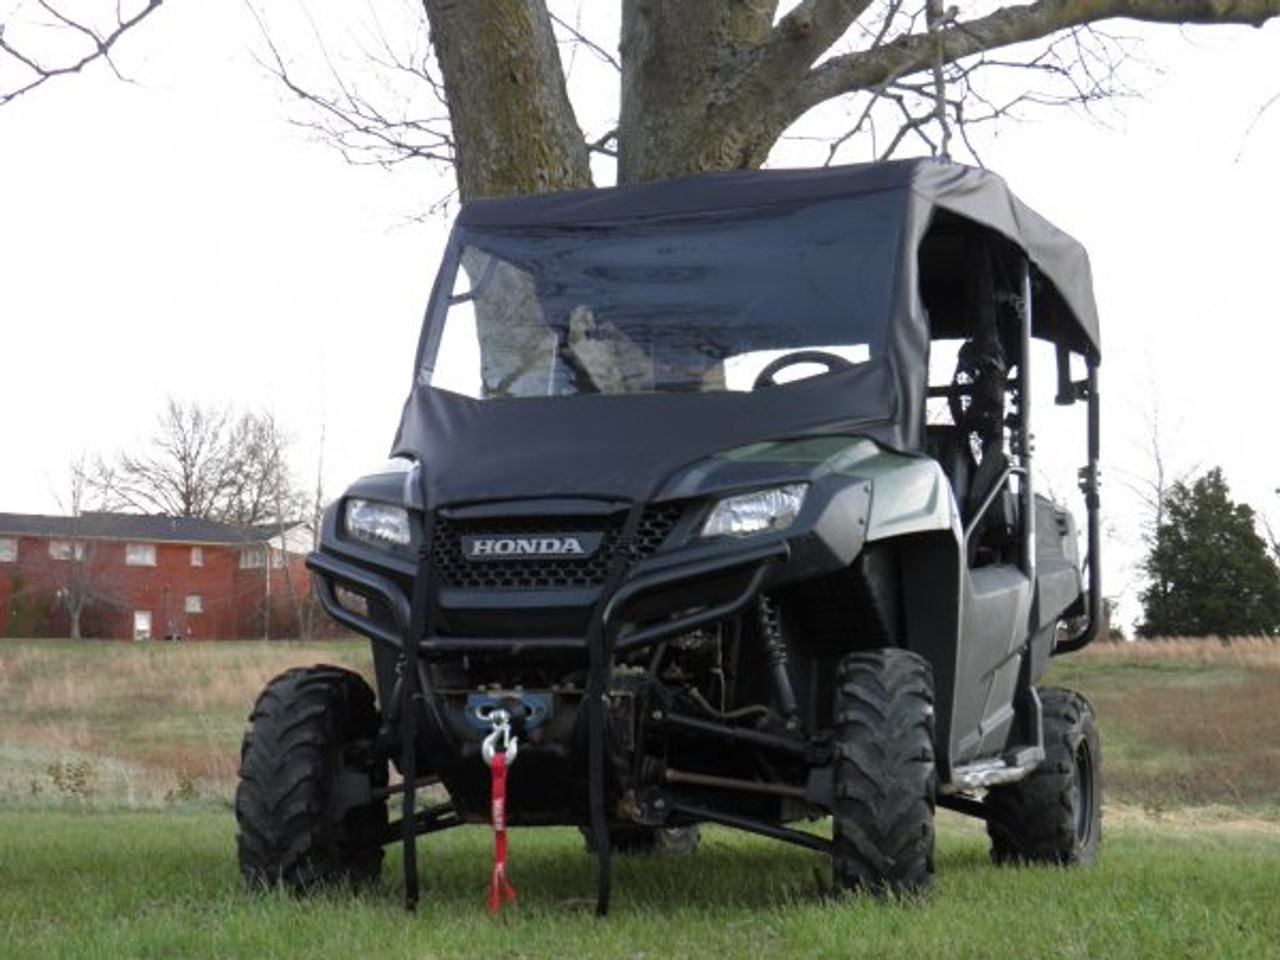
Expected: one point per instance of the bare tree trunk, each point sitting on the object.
(677, 55)
(703, 84)
(514, 128)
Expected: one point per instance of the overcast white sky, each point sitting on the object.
(176, 236)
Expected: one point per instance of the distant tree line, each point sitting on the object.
(206, 462)
(1210, 573)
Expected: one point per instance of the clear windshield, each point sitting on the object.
(680, 307)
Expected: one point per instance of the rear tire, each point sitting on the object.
(311, 729)
(884, 773)
(1055, 814)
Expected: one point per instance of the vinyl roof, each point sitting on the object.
(976, 195)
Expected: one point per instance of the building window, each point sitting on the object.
(197, 556)
(140, 554)
(66, 549)
(253, 558)
(8, 550)
(142, 624)
(194, 604)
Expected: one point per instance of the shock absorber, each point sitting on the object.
(770, 621)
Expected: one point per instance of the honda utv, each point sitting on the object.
(679, 529)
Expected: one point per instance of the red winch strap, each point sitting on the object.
(499, 887)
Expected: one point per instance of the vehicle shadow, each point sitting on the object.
(552, 871)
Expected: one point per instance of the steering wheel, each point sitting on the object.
(832, 361)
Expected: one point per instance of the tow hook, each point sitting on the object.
(524, 711)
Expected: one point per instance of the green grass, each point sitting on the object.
(154, 884)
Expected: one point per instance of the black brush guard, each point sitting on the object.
(418, 616)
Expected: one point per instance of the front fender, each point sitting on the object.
(909, 495)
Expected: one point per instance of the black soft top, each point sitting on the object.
(892, 243)
(1065, 310)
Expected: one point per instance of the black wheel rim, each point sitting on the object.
(1085, 797)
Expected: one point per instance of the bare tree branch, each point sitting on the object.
(1275, 98)
(362, 131)
(602, 144)
(937, 19)
(35, 69)
(808, 31)
(209, 463)
(588, 43)
(1077, 69)
(911, 53)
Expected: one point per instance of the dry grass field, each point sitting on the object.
(1185, 723)
(138, 724)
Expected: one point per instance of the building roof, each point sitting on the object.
(134, 527)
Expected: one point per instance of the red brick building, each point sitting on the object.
(143, 577)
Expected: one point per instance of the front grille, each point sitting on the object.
(655, 526)
(544, 573)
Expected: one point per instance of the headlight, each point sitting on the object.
(763, 510)
(378, 524)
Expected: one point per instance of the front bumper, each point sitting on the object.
(654, 601)
(658, 580)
